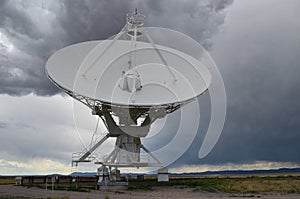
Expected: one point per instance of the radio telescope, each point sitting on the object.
(129, 80)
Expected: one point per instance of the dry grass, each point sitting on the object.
(262, 185)
(254, 184)
(7, 180)
(230, 184)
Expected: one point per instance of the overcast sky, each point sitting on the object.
(255, 44)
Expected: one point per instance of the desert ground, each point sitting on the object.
(225, 187)
(156, 192)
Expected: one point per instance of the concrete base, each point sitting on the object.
(163, 175)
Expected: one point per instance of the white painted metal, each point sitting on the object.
(103, 174)
(67, 68)
(129, 79)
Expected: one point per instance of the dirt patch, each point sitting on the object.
(154, 193)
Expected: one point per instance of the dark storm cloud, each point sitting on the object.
(258, 57)
(24, 49)
(32, 30)
(198, 19)
(256, 50)
(92, 20)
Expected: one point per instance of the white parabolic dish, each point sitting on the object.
(83, 69)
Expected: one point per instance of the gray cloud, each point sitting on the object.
(3, 124)
(257, 54)
(254, 46)
(31, 31)
(26, 42)
(34, 129)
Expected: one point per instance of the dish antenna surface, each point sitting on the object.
(130, 80)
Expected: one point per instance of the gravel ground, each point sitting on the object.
(155, 193)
